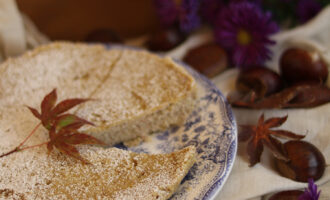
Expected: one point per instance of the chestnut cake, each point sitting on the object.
(133, 93)
(112, 174)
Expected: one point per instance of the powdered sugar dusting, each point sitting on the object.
(114, 173)
(79, 67)
(139, 82)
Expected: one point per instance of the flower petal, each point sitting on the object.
(259, 26)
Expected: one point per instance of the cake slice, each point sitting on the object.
(135, 92)
(112, 174)
(143, 93)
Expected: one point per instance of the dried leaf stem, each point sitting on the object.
(18, 148)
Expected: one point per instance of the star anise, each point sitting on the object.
(262, 135)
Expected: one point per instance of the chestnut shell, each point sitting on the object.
(298, 65)
(209, 59)
(261, 80)
(306, 161)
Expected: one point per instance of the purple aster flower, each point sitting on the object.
(310, 192)
(210, 9)
(167, 11)
(189, 19)
(184, 14)
(243, 29)
(307, 9)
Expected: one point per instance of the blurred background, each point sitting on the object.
(76, 19)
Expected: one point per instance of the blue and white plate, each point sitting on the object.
(211, 128)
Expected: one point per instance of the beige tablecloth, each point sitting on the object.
(245, 182)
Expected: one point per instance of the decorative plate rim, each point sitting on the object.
(232, 151)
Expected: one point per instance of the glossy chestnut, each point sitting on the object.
(209, 59)
(298, 65)
(164, 40)
(306, 161)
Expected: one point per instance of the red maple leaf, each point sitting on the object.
(62, 128)
(64, 137)
(51, 113)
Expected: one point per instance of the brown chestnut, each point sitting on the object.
(164, 40)
(286, 195)
(209, 59)
(261, 80)
(298, 65)
(306, 161)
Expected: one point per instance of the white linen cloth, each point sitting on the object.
(246, 182)
(17, 34)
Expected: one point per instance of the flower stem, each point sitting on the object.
(18, 147)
